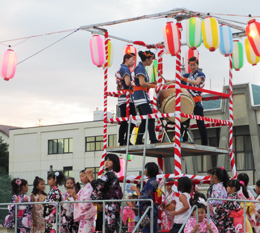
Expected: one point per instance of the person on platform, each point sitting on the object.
(123, 80)
(196, 79)
(141, 98)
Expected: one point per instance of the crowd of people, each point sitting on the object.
(225, 216)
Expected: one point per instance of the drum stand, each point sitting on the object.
(169, 132)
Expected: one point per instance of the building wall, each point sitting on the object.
(29, 150)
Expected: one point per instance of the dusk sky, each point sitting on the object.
(61, 85)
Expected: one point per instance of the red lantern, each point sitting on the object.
(130, 49)
(8, 64)
(253, 34)
(171, 36)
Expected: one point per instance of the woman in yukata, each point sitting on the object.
(24, 215)
(84, 213)
(108, 188)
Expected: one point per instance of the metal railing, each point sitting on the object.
(187, 218)
(59, 204)
(230, 200)
(29, 203)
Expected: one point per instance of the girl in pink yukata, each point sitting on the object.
(251, 211)
(257, 206)
(108, 188)
(68, 225)
(84, 213)
(168, 200)
(24, 215)
(129, 214)
(202, 226)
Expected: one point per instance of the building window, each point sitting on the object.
(242, 148)
(60, 146)
(94, 143)
(68, 171)
(112, 140)
(95, 171)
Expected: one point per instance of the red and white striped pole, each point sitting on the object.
(101, 167)
(177, 149)
(160, 82)
(127, 104)
(231, 119)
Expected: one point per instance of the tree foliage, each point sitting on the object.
(4, 157)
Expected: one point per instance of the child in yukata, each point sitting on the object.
(108, 188)
(54, 179)
(202, 226)
(38, 195)
(148, 192)
(68, 225)
(84, 213)
(24, 215)
(229, 215)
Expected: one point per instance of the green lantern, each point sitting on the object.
(193, 33)
(130, 157)
(152, 71)
(237, 55)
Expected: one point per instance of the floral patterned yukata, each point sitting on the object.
(250, 207)
(105, 188)
(223, 222)
(148, 192)
(24, 216)
(50, 210)
(202, 225)
(167, 218)
(67, 221)
(37, 216)
(84, 213)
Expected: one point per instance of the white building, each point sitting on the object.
(68, 147)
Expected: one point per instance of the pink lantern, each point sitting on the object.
(188, 54)
(122, 165)
(130, 49)
(171, 36)
(97, 50)
(8, 64)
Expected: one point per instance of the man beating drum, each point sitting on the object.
(196, 79)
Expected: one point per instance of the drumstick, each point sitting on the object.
(162, 76)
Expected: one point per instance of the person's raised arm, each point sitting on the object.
(185, 207)
(193, 82)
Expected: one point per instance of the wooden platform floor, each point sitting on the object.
(164, 150)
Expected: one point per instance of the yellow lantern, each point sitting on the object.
(250, 54)
(210, 33)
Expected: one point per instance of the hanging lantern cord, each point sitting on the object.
(48, 46)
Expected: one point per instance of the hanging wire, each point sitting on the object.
(47, 46)
(46, 34)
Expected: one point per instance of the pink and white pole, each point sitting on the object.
(177, 148)
(231, 119)
(101, 167)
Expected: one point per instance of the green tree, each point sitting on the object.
(5, 194)
(4, 157)
(5, 179)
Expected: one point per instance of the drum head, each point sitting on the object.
(187, 105)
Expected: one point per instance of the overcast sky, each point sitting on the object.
(61, 85)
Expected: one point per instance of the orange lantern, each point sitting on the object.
(130, 49)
